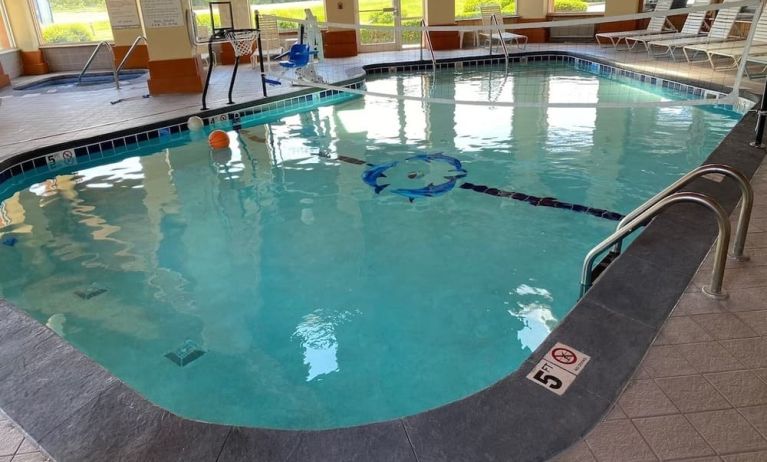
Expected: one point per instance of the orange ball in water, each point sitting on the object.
(218, 139)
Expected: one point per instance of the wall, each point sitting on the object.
(124, 34)
(74, 57)
(174, 66)
(11, 62)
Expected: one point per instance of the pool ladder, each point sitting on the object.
(115, 70)
(93, 56)
(494, 20)
(428, 42)
(669, 196)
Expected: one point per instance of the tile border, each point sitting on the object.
(614, 323)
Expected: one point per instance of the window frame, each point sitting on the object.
(39, 31)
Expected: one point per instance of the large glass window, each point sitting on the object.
(72, 21)
(470, 8)
(577, 6)
(292, 9)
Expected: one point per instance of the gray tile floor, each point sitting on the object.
(14, 447)
(701, 392)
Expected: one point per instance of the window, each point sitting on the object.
(577, 6)
(470, 8)
(292, 9)
(6, 38)
(72, 21)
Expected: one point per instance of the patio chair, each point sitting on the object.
(731, 49)
(271, 43)
(657, 25)
(720, 32)
(489, 12)
(691, 28)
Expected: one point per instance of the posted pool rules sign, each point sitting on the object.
(559, 368)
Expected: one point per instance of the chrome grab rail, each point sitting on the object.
(128, 54)
(745, 210)
(90, 61)
(494, 19)
(428, 41)
(722, 242)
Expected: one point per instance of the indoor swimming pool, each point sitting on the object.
(355, 260)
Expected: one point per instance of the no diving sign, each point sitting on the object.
(559, 368)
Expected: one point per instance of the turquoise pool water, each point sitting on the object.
(272, 286)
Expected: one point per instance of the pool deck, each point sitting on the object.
(700, 391)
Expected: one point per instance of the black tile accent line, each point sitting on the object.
(542, 201)
(79, 412)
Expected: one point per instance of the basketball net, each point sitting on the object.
(242, 41)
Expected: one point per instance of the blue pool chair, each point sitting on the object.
(298, 57)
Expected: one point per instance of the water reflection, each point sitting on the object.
(317, 334)
(536, 316)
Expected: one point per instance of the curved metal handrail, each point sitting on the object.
(745, 210)
(90, 61)
(494, 19)
(722, 242)
(431, 46)
(129, 53)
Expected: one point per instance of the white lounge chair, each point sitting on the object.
(491, 12)
(271, 44)
(720, 32)
(691, 28)
(657, 25)
(760, 60)
(732, 49)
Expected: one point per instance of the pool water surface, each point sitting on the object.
(351, 263)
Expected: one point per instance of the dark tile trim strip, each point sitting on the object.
(78, 412)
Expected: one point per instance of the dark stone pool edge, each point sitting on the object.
(77, 411)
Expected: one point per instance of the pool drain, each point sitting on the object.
(185, 354)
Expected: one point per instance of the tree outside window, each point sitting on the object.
(577, 6)
(73, 21)
(470, 8)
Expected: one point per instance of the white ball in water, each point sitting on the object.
(195, 124)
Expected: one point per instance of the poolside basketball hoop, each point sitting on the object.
(242, 41)
(223, 30)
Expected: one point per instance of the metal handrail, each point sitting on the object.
(90, 61)
(494, 19)
(129, 53)
(722, 242)
(745, 210)
(431, 46)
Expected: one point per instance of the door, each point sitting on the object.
(388, 13)
(378, 13)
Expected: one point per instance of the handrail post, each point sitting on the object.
(130, 52)
(761, 120)
(723, 239)
(744, 216)
(93, 56)
(428, 41)
(500, 38)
